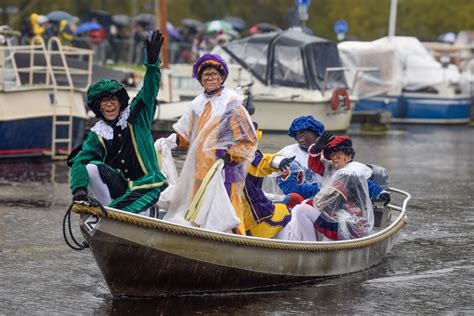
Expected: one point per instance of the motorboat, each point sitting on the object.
(287, 74)
(42, 95)
(145, 257)
(42, 110)
(399, 75)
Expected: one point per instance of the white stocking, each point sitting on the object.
(284, 234)
(301, 225)
(97, 186)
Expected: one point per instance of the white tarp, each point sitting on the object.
(385, 77)
(403, 62)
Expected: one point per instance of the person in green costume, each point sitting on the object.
(117, 161)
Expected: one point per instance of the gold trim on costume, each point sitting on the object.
(340, 192)
(145, 186)
(142, 165)
(101, 141)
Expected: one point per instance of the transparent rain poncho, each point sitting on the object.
(211, 127)
(344, 203)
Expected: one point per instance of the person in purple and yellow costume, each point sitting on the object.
(215, 126)
(263, 218)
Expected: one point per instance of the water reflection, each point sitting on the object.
(33, 171)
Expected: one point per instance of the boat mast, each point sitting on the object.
(393, 18)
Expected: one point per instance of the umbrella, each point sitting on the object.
(191, 23)
(218, 26)
(87, 27)
(449, 37)
(172, 32)
(237, 23)
(42, 19)
(121, 20)
(145, 18)
(102, 16)
(263, 28)
(56, 16)
(99, 13)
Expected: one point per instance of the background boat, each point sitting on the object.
(42, 109)
(403, 78)
(287, 74)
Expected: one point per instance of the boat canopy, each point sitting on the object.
(374, 68)
(399, 63)
(290, 58)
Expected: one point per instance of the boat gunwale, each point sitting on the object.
(169, 227)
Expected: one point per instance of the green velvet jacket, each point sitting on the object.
(143, 109)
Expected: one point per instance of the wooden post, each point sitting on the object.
(161, 19)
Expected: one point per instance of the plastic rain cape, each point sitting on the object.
(211, 207)
(163, 147)
(211, 126)
(344, 200)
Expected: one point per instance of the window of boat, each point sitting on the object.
(323, 55)
(288, 67)
(252, 55)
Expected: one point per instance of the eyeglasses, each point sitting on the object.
(210, 75)
(112, 99)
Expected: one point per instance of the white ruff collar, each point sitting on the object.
(104, 130)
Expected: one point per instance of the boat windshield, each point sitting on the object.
(253, 55)
(288, 66)
(289, 58)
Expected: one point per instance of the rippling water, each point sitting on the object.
(430, 269)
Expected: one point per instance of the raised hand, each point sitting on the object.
(153, 46)
(321, 143)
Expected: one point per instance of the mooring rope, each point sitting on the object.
(235, 239)
(73, 243)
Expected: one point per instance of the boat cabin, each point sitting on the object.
(291, 59)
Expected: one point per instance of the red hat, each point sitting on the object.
(339, 143)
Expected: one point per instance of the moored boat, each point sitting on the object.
(42, 109)
(405, 80)
(143, 256)
(290, 73)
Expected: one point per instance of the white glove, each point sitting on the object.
(168, 142)
(276, 161)
(171, 141)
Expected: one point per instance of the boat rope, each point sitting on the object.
(73, 243)
(237, 239)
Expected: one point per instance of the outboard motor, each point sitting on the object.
(248, 104)
(381, 213)
(379, 175)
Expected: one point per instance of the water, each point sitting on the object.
(430, 269)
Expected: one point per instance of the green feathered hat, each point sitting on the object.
(105, 89)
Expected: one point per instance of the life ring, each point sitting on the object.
(339, 95)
